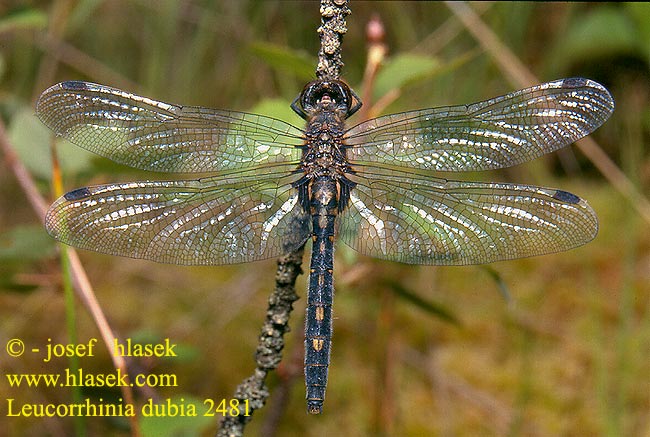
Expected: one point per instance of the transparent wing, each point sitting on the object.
(218, 220)
(152, 135)
(496, 133)
(415, 219)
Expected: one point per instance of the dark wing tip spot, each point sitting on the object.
(77, 194)
(574, 82)
(74, 85)
(566, 197)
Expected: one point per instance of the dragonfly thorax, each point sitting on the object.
(324, 163)
(325, 104)
(324, 152)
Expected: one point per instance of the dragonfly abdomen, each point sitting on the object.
(318, 324)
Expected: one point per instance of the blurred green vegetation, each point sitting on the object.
(568, 353)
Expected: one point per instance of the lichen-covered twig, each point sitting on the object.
(333, 27)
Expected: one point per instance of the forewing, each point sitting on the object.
(218, 220)
(418, 220)
(158, 136)
(496, 133)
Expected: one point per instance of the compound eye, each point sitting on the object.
(344, 94)
(309, 95)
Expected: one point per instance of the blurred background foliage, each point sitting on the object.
(417, 350)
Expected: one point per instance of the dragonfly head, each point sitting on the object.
(326, 95)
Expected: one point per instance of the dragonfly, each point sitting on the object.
(261, 187)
